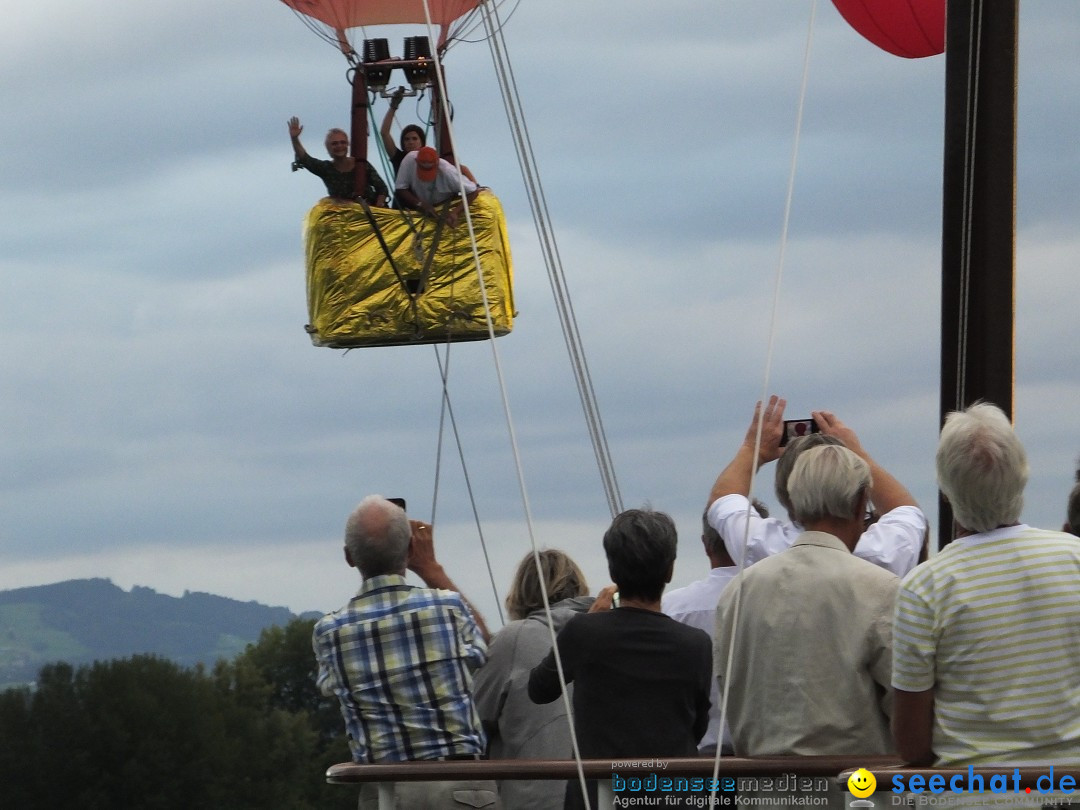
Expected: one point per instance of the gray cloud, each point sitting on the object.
(162, 402)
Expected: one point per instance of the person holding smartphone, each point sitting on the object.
(893, 542)
(400, 659)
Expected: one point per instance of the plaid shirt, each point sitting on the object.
(400, 660)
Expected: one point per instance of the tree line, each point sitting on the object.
(144, 732)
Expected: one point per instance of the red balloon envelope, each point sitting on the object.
(909, 28)
(342, 14)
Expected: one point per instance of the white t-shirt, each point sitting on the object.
(447, 182)
(695, 605)
(893, 543)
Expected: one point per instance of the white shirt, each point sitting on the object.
(447, 182)
(695, 605)
(893, 543)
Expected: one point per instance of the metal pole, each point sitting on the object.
(359, 129)
(979, 211)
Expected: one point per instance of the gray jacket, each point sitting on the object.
(516, 727)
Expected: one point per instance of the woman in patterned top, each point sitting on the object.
(338, 173)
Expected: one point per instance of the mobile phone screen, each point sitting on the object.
(794, 428)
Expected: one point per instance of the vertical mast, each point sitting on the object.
(979, 211)
(358, 128)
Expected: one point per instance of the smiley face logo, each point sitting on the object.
(862, 783)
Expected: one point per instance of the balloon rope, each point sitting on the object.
(447, 410)
(505, 401)
(514, 116)
(552, 260)
(967, 209)
(483, 290)
(737, 582)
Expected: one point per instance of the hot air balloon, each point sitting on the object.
(909, 28)
(381, 277)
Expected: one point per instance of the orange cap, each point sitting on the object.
(427, 163)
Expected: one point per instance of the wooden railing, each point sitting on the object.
(599, 769)
(1017, 779)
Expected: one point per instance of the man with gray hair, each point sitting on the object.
(987, 632)
(400, 659)
(894, 541)
(808, 629)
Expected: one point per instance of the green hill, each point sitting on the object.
(87, 620)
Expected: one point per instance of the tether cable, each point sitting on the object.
(506, 408)
(552, 259)
(968, 202)
(447, 411)
(760, 413)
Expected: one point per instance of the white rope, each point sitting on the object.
(552, 260)
(737, 582)
(971, 112)
(447, 409)
(499, 373)
(543, 230)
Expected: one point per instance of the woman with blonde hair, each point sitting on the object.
(517, 728)
(562, 580)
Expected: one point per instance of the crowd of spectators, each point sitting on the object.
(829, 632)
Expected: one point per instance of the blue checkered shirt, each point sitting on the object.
(400, 661)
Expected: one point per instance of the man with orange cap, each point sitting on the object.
(426, 181)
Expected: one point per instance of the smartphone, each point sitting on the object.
(794, 428)
(400, 502)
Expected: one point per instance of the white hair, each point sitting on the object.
(377, 535)
(982, 468)
(331, 133)
(827, 481)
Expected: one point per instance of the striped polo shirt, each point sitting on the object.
(992, 625)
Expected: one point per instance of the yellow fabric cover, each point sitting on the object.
(355, 298)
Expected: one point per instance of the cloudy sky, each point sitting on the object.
(167, 423)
